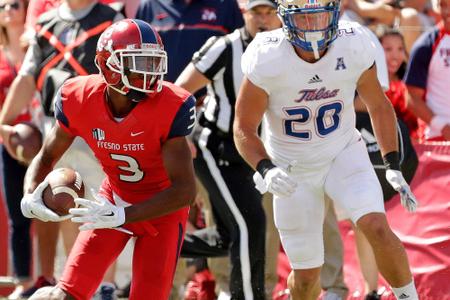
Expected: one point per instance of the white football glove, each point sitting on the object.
(276, 181)
(407, 198)
(97, 214)
(32, 206)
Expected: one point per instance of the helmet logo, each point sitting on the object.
(105, 44)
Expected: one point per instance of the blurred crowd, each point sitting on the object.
(44, 42)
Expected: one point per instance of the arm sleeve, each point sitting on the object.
(417, 70)
(380, 60)
(249, 64)
(184, 120)
(369, 53)
(60, 112)
(211, 58)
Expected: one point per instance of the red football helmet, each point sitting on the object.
(131, 52)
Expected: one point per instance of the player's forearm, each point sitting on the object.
(384, 123)
(250, 146)
(19, 96)
(55, 145)
(36, 172)
(163, 203)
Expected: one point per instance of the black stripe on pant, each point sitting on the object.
(238, 212)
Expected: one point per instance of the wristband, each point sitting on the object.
(392, 161)
(264, 165)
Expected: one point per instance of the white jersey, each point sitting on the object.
(310, 116)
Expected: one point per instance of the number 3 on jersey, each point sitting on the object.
(132, 168)
(327, 120)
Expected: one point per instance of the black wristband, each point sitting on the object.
(392, 161)
(264, 166)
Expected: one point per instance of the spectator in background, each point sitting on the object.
(237, 205)
(396, 58)
(129, 6)
(12, 18)
(427, 77)
(37, 8)
(63, 46)
(405, 19)
(185, 25)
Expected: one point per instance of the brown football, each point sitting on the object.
(25, 141)
(64, 185)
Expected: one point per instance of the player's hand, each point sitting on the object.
(32, 206)
(396, 180)
(276, 181)
(97, 214)
(5, 132)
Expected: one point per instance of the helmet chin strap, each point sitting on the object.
(117, 89)
(314, 38)
(133, 95)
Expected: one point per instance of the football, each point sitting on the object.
(25, 142)
(64, 185)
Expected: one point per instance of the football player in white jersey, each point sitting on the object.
(302, 80)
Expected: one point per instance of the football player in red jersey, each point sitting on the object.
(136, 124)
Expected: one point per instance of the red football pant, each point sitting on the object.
(154, 258)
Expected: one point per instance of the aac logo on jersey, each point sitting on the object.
(340, 65)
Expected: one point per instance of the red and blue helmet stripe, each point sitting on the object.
(147, 34)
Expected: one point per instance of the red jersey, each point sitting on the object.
(129, 150)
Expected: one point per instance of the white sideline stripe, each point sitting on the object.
(65, 189)
(243, 245)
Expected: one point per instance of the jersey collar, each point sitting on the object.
(245, 36)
